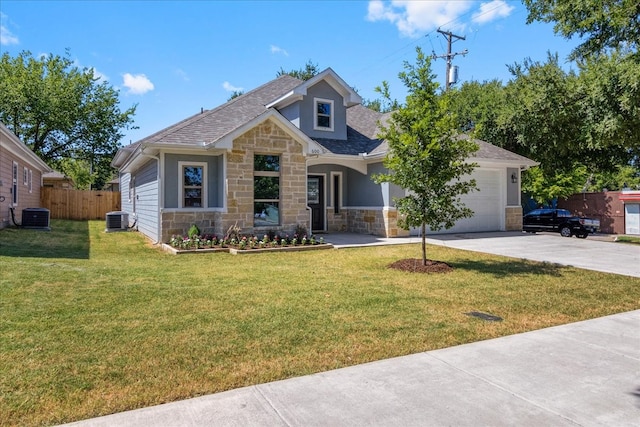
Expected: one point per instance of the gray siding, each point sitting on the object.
(513, 189)
(125, 203)
(362, 191)
(307, 112)
(292, 113)
(146, 199)
(215, 180)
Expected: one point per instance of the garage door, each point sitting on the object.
(486, 204)
(632, 218)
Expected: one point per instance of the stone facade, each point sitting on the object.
(267, 138)
(178, 223)
(380, 222)
(513, 218)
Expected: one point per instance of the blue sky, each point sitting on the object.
(173, 58)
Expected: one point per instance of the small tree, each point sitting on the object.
(426, 155)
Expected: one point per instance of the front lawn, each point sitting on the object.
(93, 323)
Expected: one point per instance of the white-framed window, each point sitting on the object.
(25, 175)
(30, 181)
(266, 190)
(192, 184)
(14, 185)
(336, 191)
(323, 114)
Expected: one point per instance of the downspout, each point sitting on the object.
(160, 195)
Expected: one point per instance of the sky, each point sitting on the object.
(172, 58)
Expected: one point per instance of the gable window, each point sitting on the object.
(266, 190)
(14, 185)
(323, 114)
(192, 184)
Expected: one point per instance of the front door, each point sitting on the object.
(315, 201)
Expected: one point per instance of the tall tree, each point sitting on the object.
(603, 24)
(61, 111)
(305, 73)
(477, 107)
(426, 154)
(541, 117)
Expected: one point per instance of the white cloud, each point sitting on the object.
(414, 18)
(492, 10)
(182, 74)
(6, 36)
(277, 49)
(231, 88)
(137, 84)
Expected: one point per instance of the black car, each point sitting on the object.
(560, 221)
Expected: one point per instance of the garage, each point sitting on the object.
(486, 204)
(631, 200)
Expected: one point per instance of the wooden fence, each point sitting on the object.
(79, 204)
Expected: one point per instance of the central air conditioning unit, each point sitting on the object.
(117, 221)
(35, 218)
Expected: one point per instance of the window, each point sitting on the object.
(30, 181)
(192, 186)
(266, 190)
(14, 185)
(336, 192)
(323, 114)
(25, 176)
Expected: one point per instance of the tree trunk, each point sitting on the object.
(424, 244)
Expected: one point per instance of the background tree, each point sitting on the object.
(62, 112)
(305, 73)
(235, 94)
(426, 156)
(604, 25)
(477, 107)
(78, 171)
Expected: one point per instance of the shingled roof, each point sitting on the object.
(210, 126)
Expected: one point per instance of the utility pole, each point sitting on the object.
(449, 56)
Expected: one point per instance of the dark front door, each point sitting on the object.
(315, 200)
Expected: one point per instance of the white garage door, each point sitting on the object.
(485, 203)
(632, 218)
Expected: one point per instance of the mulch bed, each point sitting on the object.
(414, 265)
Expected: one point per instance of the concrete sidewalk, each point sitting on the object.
(585, 373)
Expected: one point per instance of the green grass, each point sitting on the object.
(93, 323)
(628, 239)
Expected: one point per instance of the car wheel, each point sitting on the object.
(583, 235)
(565, 231)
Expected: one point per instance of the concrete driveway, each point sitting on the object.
(593, 253)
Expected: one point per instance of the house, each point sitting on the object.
(21, 173)
(289, 153)
(57, 179)
(112, 185)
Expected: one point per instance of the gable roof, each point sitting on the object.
(350, 97)
(215, 128)
(211, 125)
(14, 145)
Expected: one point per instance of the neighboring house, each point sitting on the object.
(56, 179)
(21, 173)
(618, 211)
(289, 153)
(113, 185)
